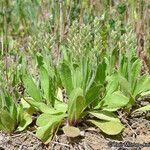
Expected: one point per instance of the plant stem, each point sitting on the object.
(61, 21)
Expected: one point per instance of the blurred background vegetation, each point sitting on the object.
(79, 27)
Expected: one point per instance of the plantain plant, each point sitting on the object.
(89, 96)
(99, 70)
(13, 116)
(43, 98)
(131, 82)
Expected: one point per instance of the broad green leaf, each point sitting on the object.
(143, 85)
(144, 108)
(31, 87)
(27, 119)
(47, 124)
(13, 113)
(25, 105)
(109, 127)
(43, 107)
(90, 81)
(66, 77)
(105, 115)
(3, 97)
(77, 78)
(71, 131)
(114, 101)
(39, 60)
(135, 72)
(8, 101)
(45, 133)
(9, 104)
(61, 106)
(101, 73)
(85, 71)
(92, 94)
(113, 82)
(76, 104)
(44, 118)
(7, 121)
(45, 82)
(124, 85)
(20, 112)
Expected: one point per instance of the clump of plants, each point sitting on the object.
(93, 95)
(13, 116)
(97, 66)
